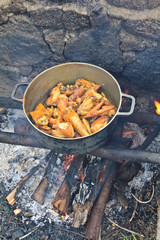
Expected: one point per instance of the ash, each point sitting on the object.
(16, 162)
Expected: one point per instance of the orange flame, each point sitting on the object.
(63, 216)
(157, 104)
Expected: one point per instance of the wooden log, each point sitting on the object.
(116, 154)
(69, 185)
(97, 213)
(39, 194)
(95, 175)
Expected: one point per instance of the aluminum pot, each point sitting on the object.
(38, 91)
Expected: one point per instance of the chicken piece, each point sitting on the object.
(99, 123)
(92, 93)
(77, 93)
(86, 124)
(87, 84)
(73, 105)
(41, 115)
(45, 129)
(57, 133)
(54, 94)
(66, 129)
(86, 106)
(62, 103)
(57, 118)
(63, 130)
(112, 112)
(93, 111)
(67, 90)
(57, 115)
(96, 111)
(72, 117)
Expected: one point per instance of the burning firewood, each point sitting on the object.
(69, 185)
(94, 176)
(39, 194)
(96, 217)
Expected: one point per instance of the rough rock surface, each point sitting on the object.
(120, 36)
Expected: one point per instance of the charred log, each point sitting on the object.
(95, 174)
(96, 217)
(39, 194)
(116, 154)
(69, 185)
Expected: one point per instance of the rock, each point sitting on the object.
(130, 42)
(96, 46)
(137, 4)
(23, 48)
(56, 41)
(51, 17)
(146, 28)
(74, 21)
(129, 57)
(144, 71)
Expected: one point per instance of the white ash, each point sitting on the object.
(144, 176)
(16, 162)
(132, 130)
(8, 120)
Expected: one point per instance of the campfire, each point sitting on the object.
(85, 181)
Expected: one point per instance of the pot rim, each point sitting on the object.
(75, 63)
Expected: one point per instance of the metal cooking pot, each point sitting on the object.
(38, 91)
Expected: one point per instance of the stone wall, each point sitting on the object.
(121, 36)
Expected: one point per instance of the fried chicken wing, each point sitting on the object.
(68, 90)
(41, 115)
(54, 94)
(63, 130)
(62, 103)
(66, 128)
(77, 93)
(86, 106)
(72, 117)
(96, 111)
(99, 123)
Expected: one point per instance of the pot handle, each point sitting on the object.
(132, 105)
(15, 90)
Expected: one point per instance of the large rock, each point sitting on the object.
(136, 4)
(147, 28)
(145, 70)
(21, 43)
(99, 46)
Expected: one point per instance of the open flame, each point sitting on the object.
(157, 104)
(125, 134)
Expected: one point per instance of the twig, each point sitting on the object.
(67, 230)
(134, 212)
(158, 222)
(125, 229)
(29, 232)
(144, 202)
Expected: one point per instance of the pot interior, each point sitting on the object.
(38, 90)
